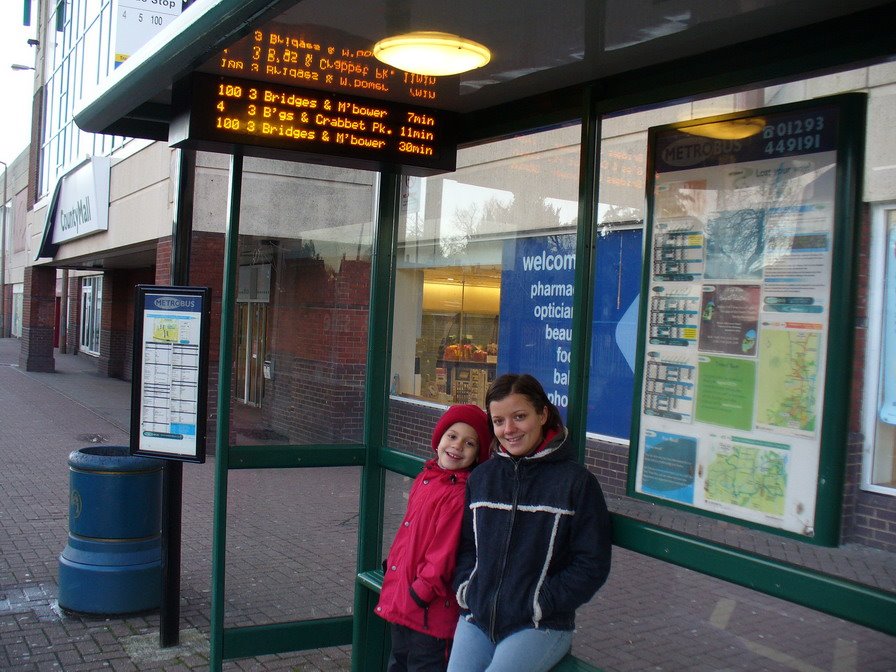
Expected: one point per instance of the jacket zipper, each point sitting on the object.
(516, 491)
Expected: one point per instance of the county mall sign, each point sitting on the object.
(83, 201)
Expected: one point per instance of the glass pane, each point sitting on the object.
(97, 317)
(291, 544)
(91, 312)
(398, 488)
(300, 345)
(486, 259)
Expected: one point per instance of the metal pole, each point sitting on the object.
(172, 476)
(3, 257)
(225, 382)
(369, 633)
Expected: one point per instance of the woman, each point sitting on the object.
(535, 542)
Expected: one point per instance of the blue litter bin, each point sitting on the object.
(112, 561)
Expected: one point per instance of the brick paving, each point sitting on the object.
(291, 555)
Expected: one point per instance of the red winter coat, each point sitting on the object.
(423, 556)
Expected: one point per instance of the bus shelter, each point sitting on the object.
(650, 139)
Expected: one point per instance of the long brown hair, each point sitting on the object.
(529, 387)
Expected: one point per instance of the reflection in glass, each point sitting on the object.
(303, 286)
(291, 544)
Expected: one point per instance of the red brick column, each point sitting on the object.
(72, 335)
(7, 304)
(207, 270)
(114, 322)
(38, 318)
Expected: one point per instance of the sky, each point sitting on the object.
(17, 86)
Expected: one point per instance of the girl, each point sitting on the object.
(417, 597)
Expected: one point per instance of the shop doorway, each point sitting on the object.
(252, 319)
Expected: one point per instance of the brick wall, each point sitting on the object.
(318, 346)
(163, 261)
(410, 427)
(7, 306)
(874, 521)
(311, 401)
(113, 324)
(206, 270)
(38, 317)
(609, 462)
(142, 276)
(117, 330)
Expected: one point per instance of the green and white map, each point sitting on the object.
(788, 381)
(748, 474)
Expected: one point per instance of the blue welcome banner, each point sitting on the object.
(536, 311)
(536, 321)
(614, 332)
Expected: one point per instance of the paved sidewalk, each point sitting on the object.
(291, 555)
(43, 417)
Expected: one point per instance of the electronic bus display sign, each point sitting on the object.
(223, 113)
(324, 58)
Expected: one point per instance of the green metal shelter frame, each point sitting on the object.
(813, 50)
(368, 633)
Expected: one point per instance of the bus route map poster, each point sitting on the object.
(740, 250)
(168, 408)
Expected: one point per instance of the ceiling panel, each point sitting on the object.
(538, 47)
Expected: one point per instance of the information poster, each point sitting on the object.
(740, 240)
(170, 381)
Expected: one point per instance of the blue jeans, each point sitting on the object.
(529, 650)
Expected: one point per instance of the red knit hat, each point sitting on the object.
(469, 414)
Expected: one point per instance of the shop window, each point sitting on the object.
(17, 307)
(91, 313)
(879, 469)
(485, 270)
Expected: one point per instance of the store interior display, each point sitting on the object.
(458, 356)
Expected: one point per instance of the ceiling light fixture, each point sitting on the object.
(733, 129)
(428, 52)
